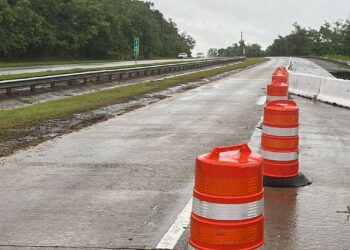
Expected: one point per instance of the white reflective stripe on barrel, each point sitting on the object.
(278, 156)
(280, 131)
(193, 248)
(216, 211)
(274, 98)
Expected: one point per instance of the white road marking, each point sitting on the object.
(261, 101)
(177, 228)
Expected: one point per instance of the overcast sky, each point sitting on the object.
(218, 23)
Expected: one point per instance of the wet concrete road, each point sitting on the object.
(122, 183)
(315, 217)
(21, 70)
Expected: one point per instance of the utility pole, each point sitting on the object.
(242, 44)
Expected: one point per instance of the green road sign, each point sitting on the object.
(136, 46)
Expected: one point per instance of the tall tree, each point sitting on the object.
(328, 39)
(87, 29)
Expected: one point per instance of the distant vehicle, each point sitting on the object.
(200, 55)
(182, 56)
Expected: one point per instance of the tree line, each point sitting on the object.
(96, 29)
(329, 39)
(238, 49)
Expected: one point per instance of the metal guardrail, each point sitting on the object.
(109, 75)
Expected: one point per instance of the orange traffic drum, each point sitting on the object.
(280, 145)
(280, 75)
(277, 91)
(228, 201)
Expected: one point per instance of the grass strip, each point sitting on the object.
(339, 57)
(26, 117)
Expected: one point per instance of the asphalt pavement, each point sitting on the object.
(33, 69)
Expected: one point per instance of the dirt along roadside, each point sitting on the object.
(29, 126)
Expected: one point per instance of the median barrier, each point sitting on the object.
(335, 91)
(304, 85)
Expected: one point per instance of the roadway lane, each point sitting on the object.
(21, 70)
(306, 66)
(122, 183)
(317, 216)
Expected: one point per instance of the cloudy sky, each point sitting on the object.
(218, 23)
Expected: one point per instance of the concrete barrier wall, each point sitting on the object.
(326, 89)
(335, 91)
(304, 85)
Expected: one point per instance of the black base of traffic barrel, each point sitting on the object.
(297, 181)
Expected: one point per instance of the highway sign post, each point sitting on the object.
(136, 47)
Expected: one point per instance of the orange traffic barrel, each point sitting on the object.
(277, 91)
(227, 210)
(280, 75)
(282, 70)
(280, 145)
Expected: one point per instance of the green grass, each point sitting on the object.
(339, 57)
(25, 117)
(71, 71)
